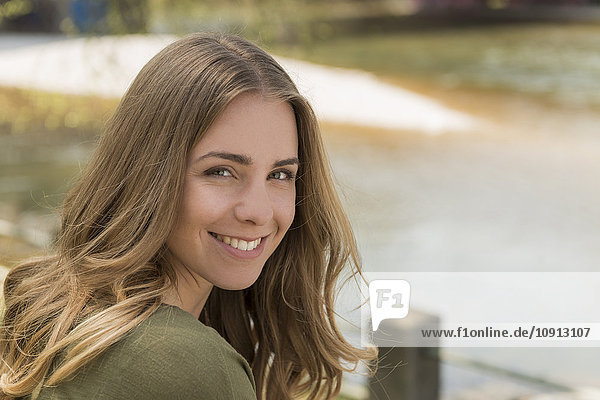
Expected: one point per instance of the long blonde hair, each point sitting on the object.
(110, 270)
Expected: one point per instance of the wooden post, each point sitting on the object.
(405, 373)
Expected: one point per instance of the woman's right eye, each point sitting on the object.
(219, 172)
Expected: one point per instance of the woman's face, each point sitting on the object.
(239, 194)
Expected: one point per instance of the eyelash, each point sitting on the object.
(218, 172)
(215, 172)
(290, 175)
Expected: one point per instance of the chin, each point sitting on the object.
(238, 283)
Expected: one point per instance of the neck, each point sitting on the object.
(189, 294)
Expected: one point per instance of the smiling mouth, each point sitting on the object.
(236, 243)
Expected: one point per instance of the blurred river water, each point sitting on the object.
(519, 194)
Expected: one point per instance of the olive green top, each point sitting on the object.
(171, 355)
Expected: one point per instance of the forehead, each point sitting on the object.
(254, 125)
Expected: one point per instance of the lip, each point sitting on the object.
(242, 254)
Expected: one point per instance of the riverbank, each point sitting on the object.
(104, 66)
(549, 63)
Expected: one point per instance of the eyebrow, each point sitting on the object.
(245, 159)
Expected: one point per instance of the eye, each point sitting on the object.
(283, 175)
(219, 172)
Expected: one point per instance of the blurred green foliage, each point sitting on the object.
(266, 21)
(15, 8)
(23, 111)
(300, 22)
(128, 16)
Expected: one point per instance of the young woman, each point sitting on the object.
(199, 253)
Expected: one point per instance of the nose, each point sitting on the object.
(254, 205)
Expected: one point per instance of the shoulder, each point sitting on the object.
(170, 355)
(177, 349)
(170, 330)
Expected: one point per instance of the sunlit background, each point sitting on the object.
(464, 135)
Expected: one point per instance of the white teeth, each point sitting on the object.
(239, 244)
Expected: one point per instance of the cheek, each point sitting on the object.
(201, 205)
(286, 209)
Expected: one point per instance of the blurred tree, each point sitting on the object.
(29, 15)
(75, 16)
(267, 21)
(128, 16)
(108, 16)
